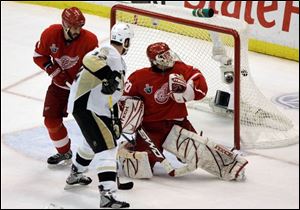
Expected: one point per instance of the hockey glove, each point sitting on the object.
(59, 77)
(110, 85)
(177, 83)
(117, 128)
(177, 86)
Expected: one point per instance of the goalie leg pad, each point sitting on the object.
(134, 164)
(204, 153)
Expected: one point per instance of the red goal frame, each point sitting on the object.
(229, 31)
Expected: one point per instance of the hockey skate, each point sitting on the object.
(58, 158)
(76, 178)
(108, 199)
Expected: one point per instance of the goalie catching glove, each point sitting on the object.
(177, 83)
(177, 86)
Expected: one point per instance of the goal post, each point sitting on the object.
(256, 122)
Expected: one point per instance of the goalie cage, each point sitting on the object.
(257, 123)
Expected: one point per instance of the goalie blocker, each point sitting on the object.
(195, 150)
(134, 164)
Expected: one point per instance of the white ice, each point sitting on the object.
(26, 182)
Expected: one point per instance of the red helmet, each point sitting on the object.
(155, 49)
(160, 55)
(72, 17)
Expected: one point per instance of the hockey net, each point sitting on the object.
(257, 122)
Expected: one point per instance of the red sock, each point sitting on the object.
(58, 134)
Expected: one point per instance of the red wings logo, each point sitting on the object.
(67, 62)
(161, 95)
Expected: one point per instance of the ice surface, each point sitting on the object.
(26, 182)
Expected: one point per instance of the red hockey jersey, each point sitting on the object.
(152, 88)
(53, 47)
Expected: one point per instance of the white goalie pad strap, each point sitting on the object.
(134, 164)
(201, 152)
(131, 115)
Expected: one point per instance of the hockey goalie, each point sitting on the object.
(154, 110)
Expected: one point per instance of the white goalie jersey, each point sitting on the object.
(89, 84)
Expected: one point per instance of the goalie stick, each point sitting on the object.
(131, 141)
(125, 185)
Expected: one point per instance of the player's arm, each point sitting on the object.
(95, 63)
(42, 57)
(194, 88)
(42, 52)
(198, 84)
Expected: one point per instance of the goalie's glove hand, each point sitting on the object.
(177, 83)
(177, 86)
(110, 85)
(59, 77)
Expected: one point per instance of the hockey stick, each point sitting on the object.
(131, 141)
(126, 185)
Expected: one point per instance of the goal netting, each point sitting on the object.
(257, 122)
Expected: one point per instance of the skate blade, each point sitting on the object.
(74, 186)
(68, 187)
(114, 207)
(63, 164)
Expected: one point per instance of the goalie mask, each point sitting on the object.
(161, 56)
(122, 34)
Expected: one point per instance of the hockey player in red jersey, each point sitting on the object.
(154, 108)
(59, 53)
